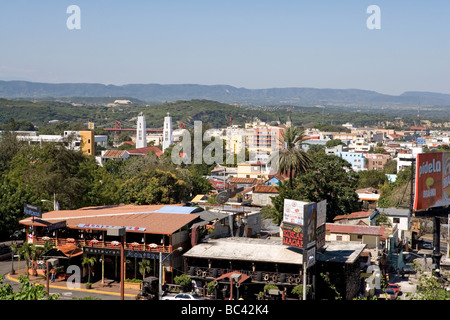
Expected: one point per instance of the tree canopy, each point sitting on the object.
(32, 173)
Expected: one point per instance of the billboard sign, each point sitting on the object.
(311, 257)
(432, 180)
(321, 212)
(320, 236)
(294, 211)
(309, 227)
(292, 235)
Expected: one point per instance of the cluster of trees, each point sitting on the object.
(313, 176)
(31, 173)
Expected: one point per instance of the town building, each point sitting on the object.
(141, 132)
(262, 195)
(168, 132)
(76, 140)
(376, 161)
(267, 261)
(368, 235)
(253, 169)
(366, 218)
(150, 230)
(401, 218)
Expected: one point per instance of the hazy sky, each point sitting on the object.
(243, 43)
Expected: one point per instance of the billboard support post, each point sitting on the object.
(436, 242)
(305, 259)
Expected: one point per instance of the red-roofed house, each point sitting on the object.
(145, 151)
(361, 218)
(114, 154)
(369, 235)
(261, 195)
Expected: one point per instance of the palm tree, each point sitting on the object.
(89, 262)
(28, 251)
(144, 266)
(291, 158)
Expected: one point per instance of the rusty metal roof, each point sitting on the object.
(127, 215)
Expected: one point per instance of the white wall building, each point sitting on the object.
(168, 132)
(141, 132)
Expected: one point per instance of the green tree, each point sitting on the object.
(430, 288)
(291, 159)
(27, 291)
(155, 187)
(89, 262)
(330, 178)
(327, 178)
(183, 280)
(371, 178)
(144, 267)
(334, 143)
(9, 147)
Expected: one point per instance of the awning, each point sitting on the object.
(43, 223)
(69, 250)
(242, 277)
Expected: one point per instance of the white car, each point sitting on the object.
(183, 296)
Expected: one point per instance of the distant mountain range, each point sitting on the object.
(223, 93)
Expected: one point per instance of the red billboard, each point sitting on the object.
(432, 180)
(292, 235)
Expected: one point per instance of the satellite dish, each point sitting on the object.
(222, 197)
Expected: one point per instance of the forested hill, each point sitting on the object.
(157, 93)
(213, 113)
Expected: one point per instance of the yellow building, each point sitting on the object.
(87, 142)
(256, 170)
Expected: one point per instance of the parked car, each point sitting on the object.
(391, 294)
(408, 269)
(394, 286)
(183, 296)
(427, 245)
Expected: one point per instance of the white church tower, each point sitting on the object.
(141, 132)
(167, 134)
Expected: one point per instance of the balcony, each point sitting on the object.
(152, 247)
(256, 276)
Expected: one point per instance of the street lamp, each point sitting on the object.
(161, 260)
(55, 203)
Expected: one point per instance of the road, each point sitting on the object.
(65, 294)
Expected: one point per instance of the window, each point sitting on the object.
(396, 220)
(339, 238)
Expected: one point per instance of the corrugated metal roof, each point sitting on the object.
(355, 215)
(247, 249)
(355, 229)
(272, 251)
(179, 210)
(243, 180)
(265, 189)
(114, 153)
